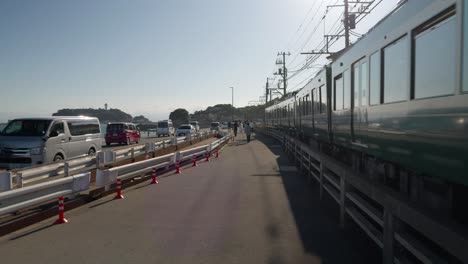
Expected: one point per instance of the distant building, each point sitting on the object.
(105, 106)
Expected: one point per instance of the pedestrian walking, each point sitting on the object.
(236, 126)
(248, 131)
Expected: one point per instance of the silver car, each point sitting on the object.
(30, 141)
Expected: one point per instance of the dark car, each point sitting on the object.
(122, 133)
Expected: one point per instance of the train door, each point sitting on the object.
(300, 112)
(314, 109)
(359, 102)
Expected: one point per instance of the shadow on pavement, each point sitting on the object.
(32, 231)
(317, 220)
(101, 203)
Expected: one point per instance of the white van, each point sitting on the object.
(195, 125)
(30, 141)
(165, 127)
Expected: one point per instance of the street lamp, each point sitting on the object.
(232, 104)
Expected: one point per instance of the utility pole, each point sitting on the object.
(346, 23)
(283, 72)
(349, 21)
(232, 104)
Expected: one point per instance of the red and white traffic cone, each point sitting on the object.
(194, 161)
(153, 176)
(217, 154)
(177, 167)
(207, 156)
(119, 190)
(61, 209)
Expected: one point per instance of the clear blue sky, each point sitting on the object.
(141, 56)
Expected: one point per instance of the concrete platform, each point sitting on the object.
(248, 206)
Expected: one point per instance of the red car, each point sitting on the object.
(122, 133)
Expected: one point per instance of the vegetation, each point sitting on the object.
(179, 116)
(223, 113)
(111, 115)
(141, 120)
(220, 113)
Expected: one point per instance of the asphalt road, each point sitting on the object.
(248, 206)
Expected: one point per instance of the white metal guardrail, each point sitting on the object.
(107, 177)
(14, 200)
(17, 199)
(388, 220)
(69, 167)
(189, 153)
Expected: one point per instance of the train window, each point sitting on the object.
(346, 90)
(314, 96)
(356, 84)
(323, 95)
(300, 109)
(316, 101)
(339, 93)
(319, 100)
(395, 73)
(374, 75)
(364, 84)
(304, 105)
(465, 48)
(308, 104)
(434, 57)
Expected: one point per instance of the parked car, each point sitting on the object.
(30, 141)
(185, 129)
(224, 125)
(195, 125)
(214, 126)
(165, 128)
(122, 133)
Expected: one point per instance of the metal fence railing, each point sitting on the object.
(387, 219)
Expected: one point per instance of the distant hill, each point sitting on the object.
(111, 115)
(219, 113)
(223, 112)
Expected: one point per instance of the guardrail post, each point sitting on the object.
(132, 153)
(19, 180)
(104, 178)
(164, 144)
(98, 160)
(174, 142)
(66, 169)
(5, 181)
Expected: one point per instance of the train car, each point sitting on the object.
(312, 114)
(287, 111)
(397, 93)
(398, 104)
